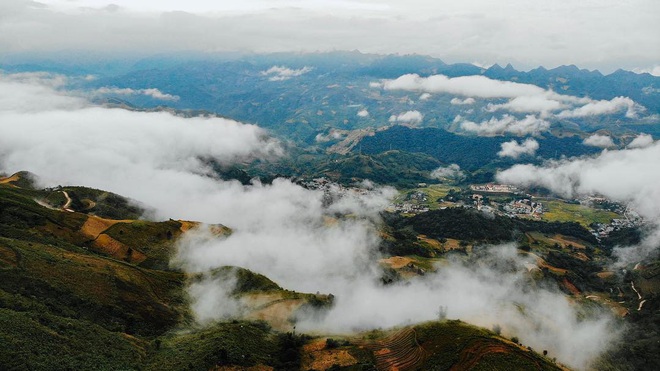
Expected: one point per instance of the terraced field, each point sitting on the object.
(399, 352)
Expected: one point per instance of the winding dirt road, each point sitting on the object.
(67, 205)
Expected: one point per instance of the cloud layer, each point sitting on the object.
(156, 158)
(629, 176)
(522, 98)
(303, 239)
(564, 32)
(338, 259)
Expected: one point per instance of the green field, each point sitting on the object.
(560, 211)
(433, 191)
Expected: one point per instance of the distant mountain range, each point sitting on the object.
(326, 90)
(334, 103)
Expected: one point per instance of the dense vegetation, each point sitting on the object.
(391, 167)
(470, 152)
(472, 225)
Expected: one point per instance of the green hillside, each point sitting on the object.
(69, 302)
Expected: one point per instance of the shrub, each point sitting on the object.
(331, 343)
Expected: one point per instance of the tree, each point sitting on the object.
(331, 343)
(497, 329)
(442, 312)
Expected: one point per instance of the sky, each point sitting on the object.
(603, 34)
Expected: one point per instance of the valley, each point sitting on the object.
(307, 185)
(68, 272)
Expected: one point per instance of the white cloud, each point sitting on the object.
(538, 103)
(151, 92)
(281, 73)
(452, 171)
(641, 141)
(332, 135)
(457, 101)
(514, 149)
(363, 113)
(409, 117)
(604, 107)
(598, 140)
(629, 176)
(424, 96)
(475, 86)
(157, 94)
(335, 259)
(44, 79)
(156, 158)
(530, 125)
(522, 97)
(26, 92)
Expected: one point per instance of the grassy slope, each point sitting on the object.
(155, 240)
(42, 341)
(232, 343)
(21, 217)
(62, 305)
(111, 293)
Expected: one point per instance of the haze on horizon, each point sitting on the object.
(604, 35)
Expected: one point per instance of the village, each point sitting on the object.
(495, 199)
(510, 201)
